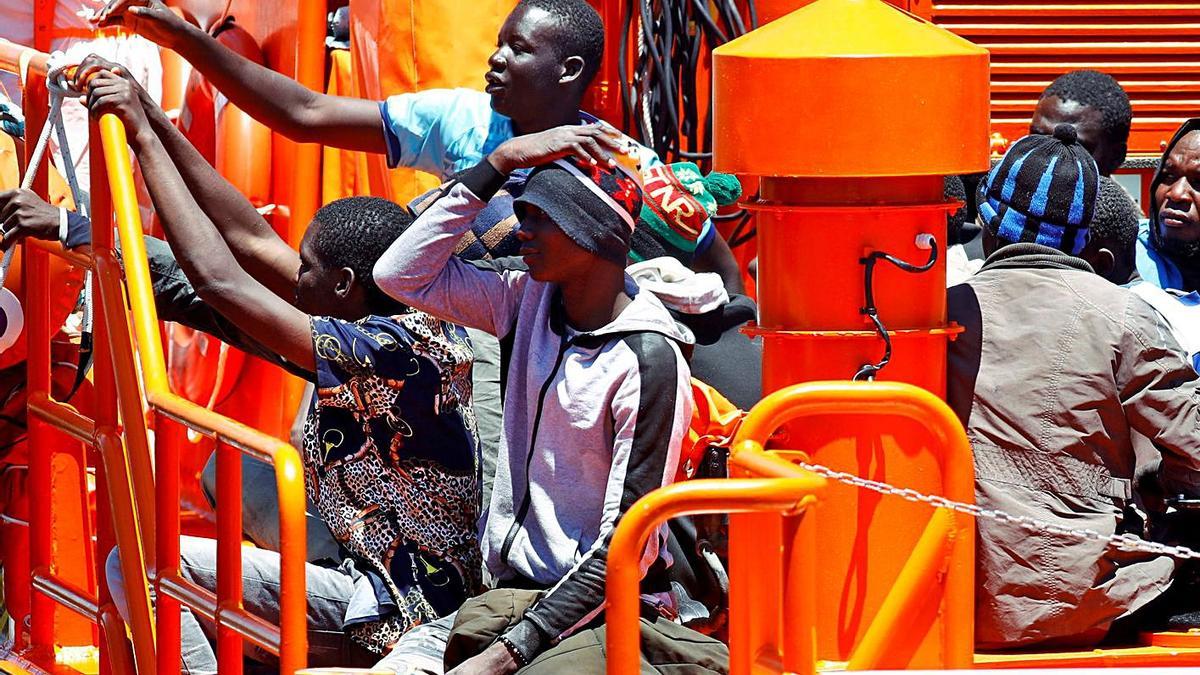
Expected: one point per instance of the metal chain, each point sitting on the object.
(1124, 542)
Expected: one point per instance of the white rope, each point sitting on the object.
(59, 88)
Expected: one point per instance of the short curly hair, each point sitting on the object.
(354, 232)
(1100, 91)
(582, 32)
(1117, 216)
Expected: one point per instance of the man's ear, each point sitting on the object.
(345, 282)
(572, 69)
(1103, 260)
(1122, 152)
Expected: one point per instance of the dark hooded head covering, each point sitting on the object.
(1186, 128)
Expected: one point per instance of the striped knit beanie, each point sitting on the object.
(678, 201)
(1043, 191)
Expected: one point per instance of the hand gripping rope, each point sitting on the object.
(59, 88)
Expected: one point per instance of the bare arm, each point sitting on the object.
(201, 251)
(276, 100)
(719, 258)
(254, 243)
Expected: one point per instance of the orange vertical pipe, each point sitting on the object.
(229, 554)
(169, 437)
(41, 512)
(310, 71)
(293, 533)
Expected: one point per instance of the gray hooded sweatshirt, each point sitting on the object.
(592, 420)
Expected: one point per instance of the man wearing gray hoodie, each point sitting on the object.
(596, 406)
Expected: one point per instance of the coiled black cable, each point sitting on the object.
(660, 92)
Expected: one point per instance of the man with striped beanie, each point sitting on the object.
(1056, 371)
(1044, 192)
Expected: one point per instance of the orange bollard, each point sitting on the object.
(851, 285)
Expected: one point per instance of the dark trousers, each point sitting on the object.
(667, 647)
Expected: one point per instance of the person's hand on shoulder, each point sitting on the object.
(151, 19)
(24, 214)
(587, 143)
(110, 93)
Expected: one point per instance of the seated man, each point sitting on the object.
(389, 453)
(596, 406)
(1168, 253)
(1058, 369)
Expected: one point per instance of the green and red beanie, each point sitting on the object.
(677, 200)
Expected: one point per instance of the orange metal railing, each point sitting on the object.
(145, 508)
(772, 622)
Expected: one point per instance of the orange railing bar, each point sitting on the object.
(948, 533)
(733, 495)
(66, 594)
(124, 450)
(292, 646)
(65, 417)
(129, 471)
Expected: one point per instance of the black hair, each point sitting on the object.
(582, 33)
(354, 232)
(953, 188)
(1100, 91)
(1117, 217)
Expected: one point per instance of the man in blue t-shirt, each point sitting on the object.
(547, 54)
(1168, 252)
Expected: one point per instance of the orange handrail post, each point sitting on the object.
(948, 539)
(126, 456)
(229, 554)
(745, 495)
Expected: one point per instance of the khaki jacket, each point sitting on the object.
(1056, 375)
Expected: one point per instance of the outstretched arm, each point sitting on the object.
(202, 253)
(255, 245)
(276, 100)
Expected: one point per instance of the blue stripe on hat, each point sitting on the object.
(1037, 203)
(1012, 226)
(1010, 179)
(1049, 234)
(1075, 217)
(1081, 237)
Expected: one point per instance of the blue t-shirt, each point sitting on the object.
(445, 131)
(392, 466)
(1152, 265)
